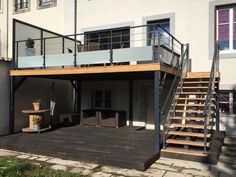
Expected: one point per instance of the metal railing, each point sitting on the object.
(210, 90)
(171, 100)
(137, 36)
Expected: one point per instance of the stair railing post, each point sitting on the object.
(159, 47)
(44, 53)
(111, 48)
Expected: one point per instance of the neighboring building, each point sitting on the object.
(111, 60)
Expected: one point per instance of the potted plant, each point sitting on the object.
(36, 122)
(30, 50)
(36, 104)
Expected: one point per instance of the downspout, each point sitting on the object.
(7, 27)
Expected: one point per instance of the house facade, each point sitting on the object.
(124, 57)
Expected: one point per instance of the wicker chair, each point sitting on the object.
(108, 118)
(89, 117)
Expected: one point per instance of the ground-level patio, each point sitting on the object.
(123, 147)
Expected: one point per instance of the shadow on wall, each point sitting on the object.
(35, 88)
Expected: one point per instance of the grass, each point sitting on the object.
(12, 167)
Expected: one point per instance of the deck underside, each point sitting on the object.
(122, 147)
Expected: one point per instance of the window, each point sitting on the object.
(154, 31)
(0, 6)
(120, 39)
(226, 29)
(46, 3)
(101, 99)
(21, 5)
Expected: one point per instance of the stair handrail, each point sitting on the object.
(210, 89)
(179, 77)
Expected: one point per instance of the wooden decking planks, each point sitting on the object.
(95, 70)
(110, 146)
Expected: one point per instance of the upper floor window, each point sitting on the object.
(46, 3)
(105, 39)
(0, 6)
(226, 29)
(21, 5)
(153, 31)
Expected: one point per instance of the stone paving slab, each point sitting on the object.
(59, 167)
(174, 174)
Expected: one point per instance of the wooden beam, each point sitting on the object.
(94, 70)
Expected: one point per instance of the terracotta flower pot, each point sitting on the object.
(36, 106)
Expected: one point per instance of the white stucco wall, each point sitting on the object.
(191, 22)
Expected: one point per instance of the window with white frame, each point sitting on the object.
(226, 29)
(46, 3)
(21, 5)
(0, 6)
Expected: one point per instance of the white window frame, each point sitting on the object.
(231, 24)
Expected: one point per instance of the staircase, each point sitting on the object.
(189, 130)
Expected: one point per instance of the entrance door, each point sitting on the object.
(149, 108)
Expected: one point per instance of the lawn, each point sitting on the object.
(12, 167)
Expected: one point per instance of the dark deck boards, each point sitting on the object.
(122, 147)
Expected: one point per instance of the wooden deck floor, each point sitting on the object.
(122, 147)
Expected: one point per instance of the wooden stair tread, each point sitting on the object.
(196, 87)
(197, 105)
(173, 125)
(188, 118)
(200, 75)
(187, 142)
(184, 152)
(197, 82)
(192, 134)
(189, 111)
(193, 93)
(194, 99)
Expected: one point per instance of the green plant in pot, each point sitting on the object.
(36, 104)
(30, 50)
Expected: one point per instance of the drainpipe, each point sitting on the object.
(7, 27)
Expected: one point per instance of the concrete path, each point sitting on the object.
(164, 167)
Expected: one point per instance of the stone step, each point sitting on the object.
(227, 160)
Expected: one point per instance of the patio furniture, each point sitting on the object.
(71, 117)
(89, 117)
(109, 118)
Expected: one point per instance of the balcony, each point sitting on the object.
(137, 45)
